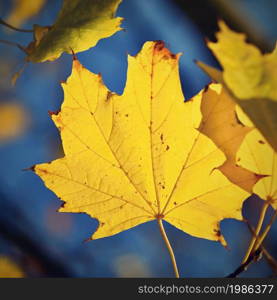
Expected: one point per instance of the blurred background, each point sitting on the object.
(37, 241)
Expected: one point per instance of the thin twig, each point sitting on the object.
(269, 258)
(14, 28)
(254, 256)
(257, 231)
(257, 249)
(260, 239)
(169, 248)
(13, 44)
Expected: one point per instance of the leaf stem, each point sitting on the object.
(13, 44)
(261, 238)
(14, 28)
(256, 233)
(272, 262)
(169, 248)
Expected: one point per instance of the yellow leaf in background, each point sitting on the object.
(22, 10)
(246, 71)
(79, 26)
(8, 269)
(130, 265)
(250, 77)
(220, 123)
(13, 121)
(257, 155)
(138, 156)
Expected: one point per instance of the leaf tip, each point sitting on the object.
(32, 168)
(76, 65)
(258, 177)
(223, 242)
(219, 237)
(222, 25)
(87, 240)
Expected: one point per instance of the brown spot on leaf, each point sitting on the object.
(43, 171)
(173, 56)
(50, 113)
(217, 232)
(167, 148)
(159, 45)
(109, 95)
(261, 142)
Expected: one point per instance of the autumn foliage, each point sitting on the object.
(149, 153)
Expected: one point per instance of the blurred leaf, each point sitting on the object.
(131, 265)
(8, 269)
(13, 121)
(16, 75)
(79, 26)
(250, 77)
(138, 157)
(22, 10)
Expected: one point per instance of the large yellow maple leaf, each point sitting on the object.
(249, 76)
(139, 156)
(79, 26)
